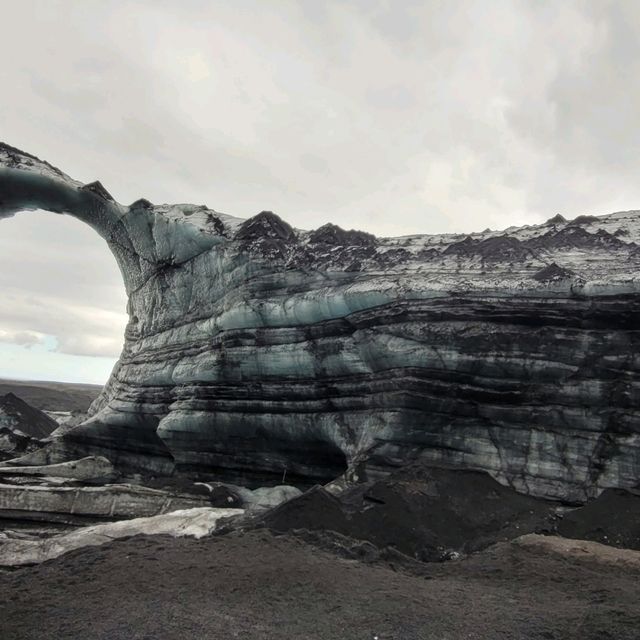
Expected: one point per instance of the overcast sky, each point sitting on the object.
(391, 116)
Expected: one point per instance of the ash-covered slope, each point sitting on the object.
(22, 426)
(17, 415)
(254, 348)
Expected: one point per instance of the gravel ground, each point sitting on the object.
(255, 585)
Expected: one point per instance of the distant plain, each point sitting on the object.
(52, 396)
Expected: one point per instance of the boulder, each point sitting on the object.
(229, 495)
(269, 497)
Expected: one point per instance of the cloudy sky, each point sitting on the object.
(392, 116)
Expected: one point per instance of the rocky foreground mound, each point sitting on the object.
(341, 562)
(256, 586)
(415, 515)
(433, 514)
(258, 351)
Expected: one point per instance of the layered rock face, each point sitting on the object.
(257, 350)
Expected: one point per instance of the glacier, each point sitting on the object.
(255, 350)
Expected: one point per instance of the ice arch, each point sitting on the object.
(181, 279)
(142, 243)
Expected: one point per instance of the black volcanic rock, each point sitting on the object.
(501, 248)
(552, 273)
(331, 248)
(462, 247)
(217, 223)
(557, 219)
(97, 188)
(16, 414)
(267, 235)
(575, 237)
(22, 427)
(583, 220)
(492, 249)
(332, 234)
(266, 224)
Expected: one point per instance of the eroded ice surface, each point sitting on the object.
(256, 348)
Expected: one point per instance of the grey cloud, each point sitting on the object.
(393, 116)
(515, 94)
(22, 338)
(75, 329)
(58, 279)
(314, 164)
(393, 96)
